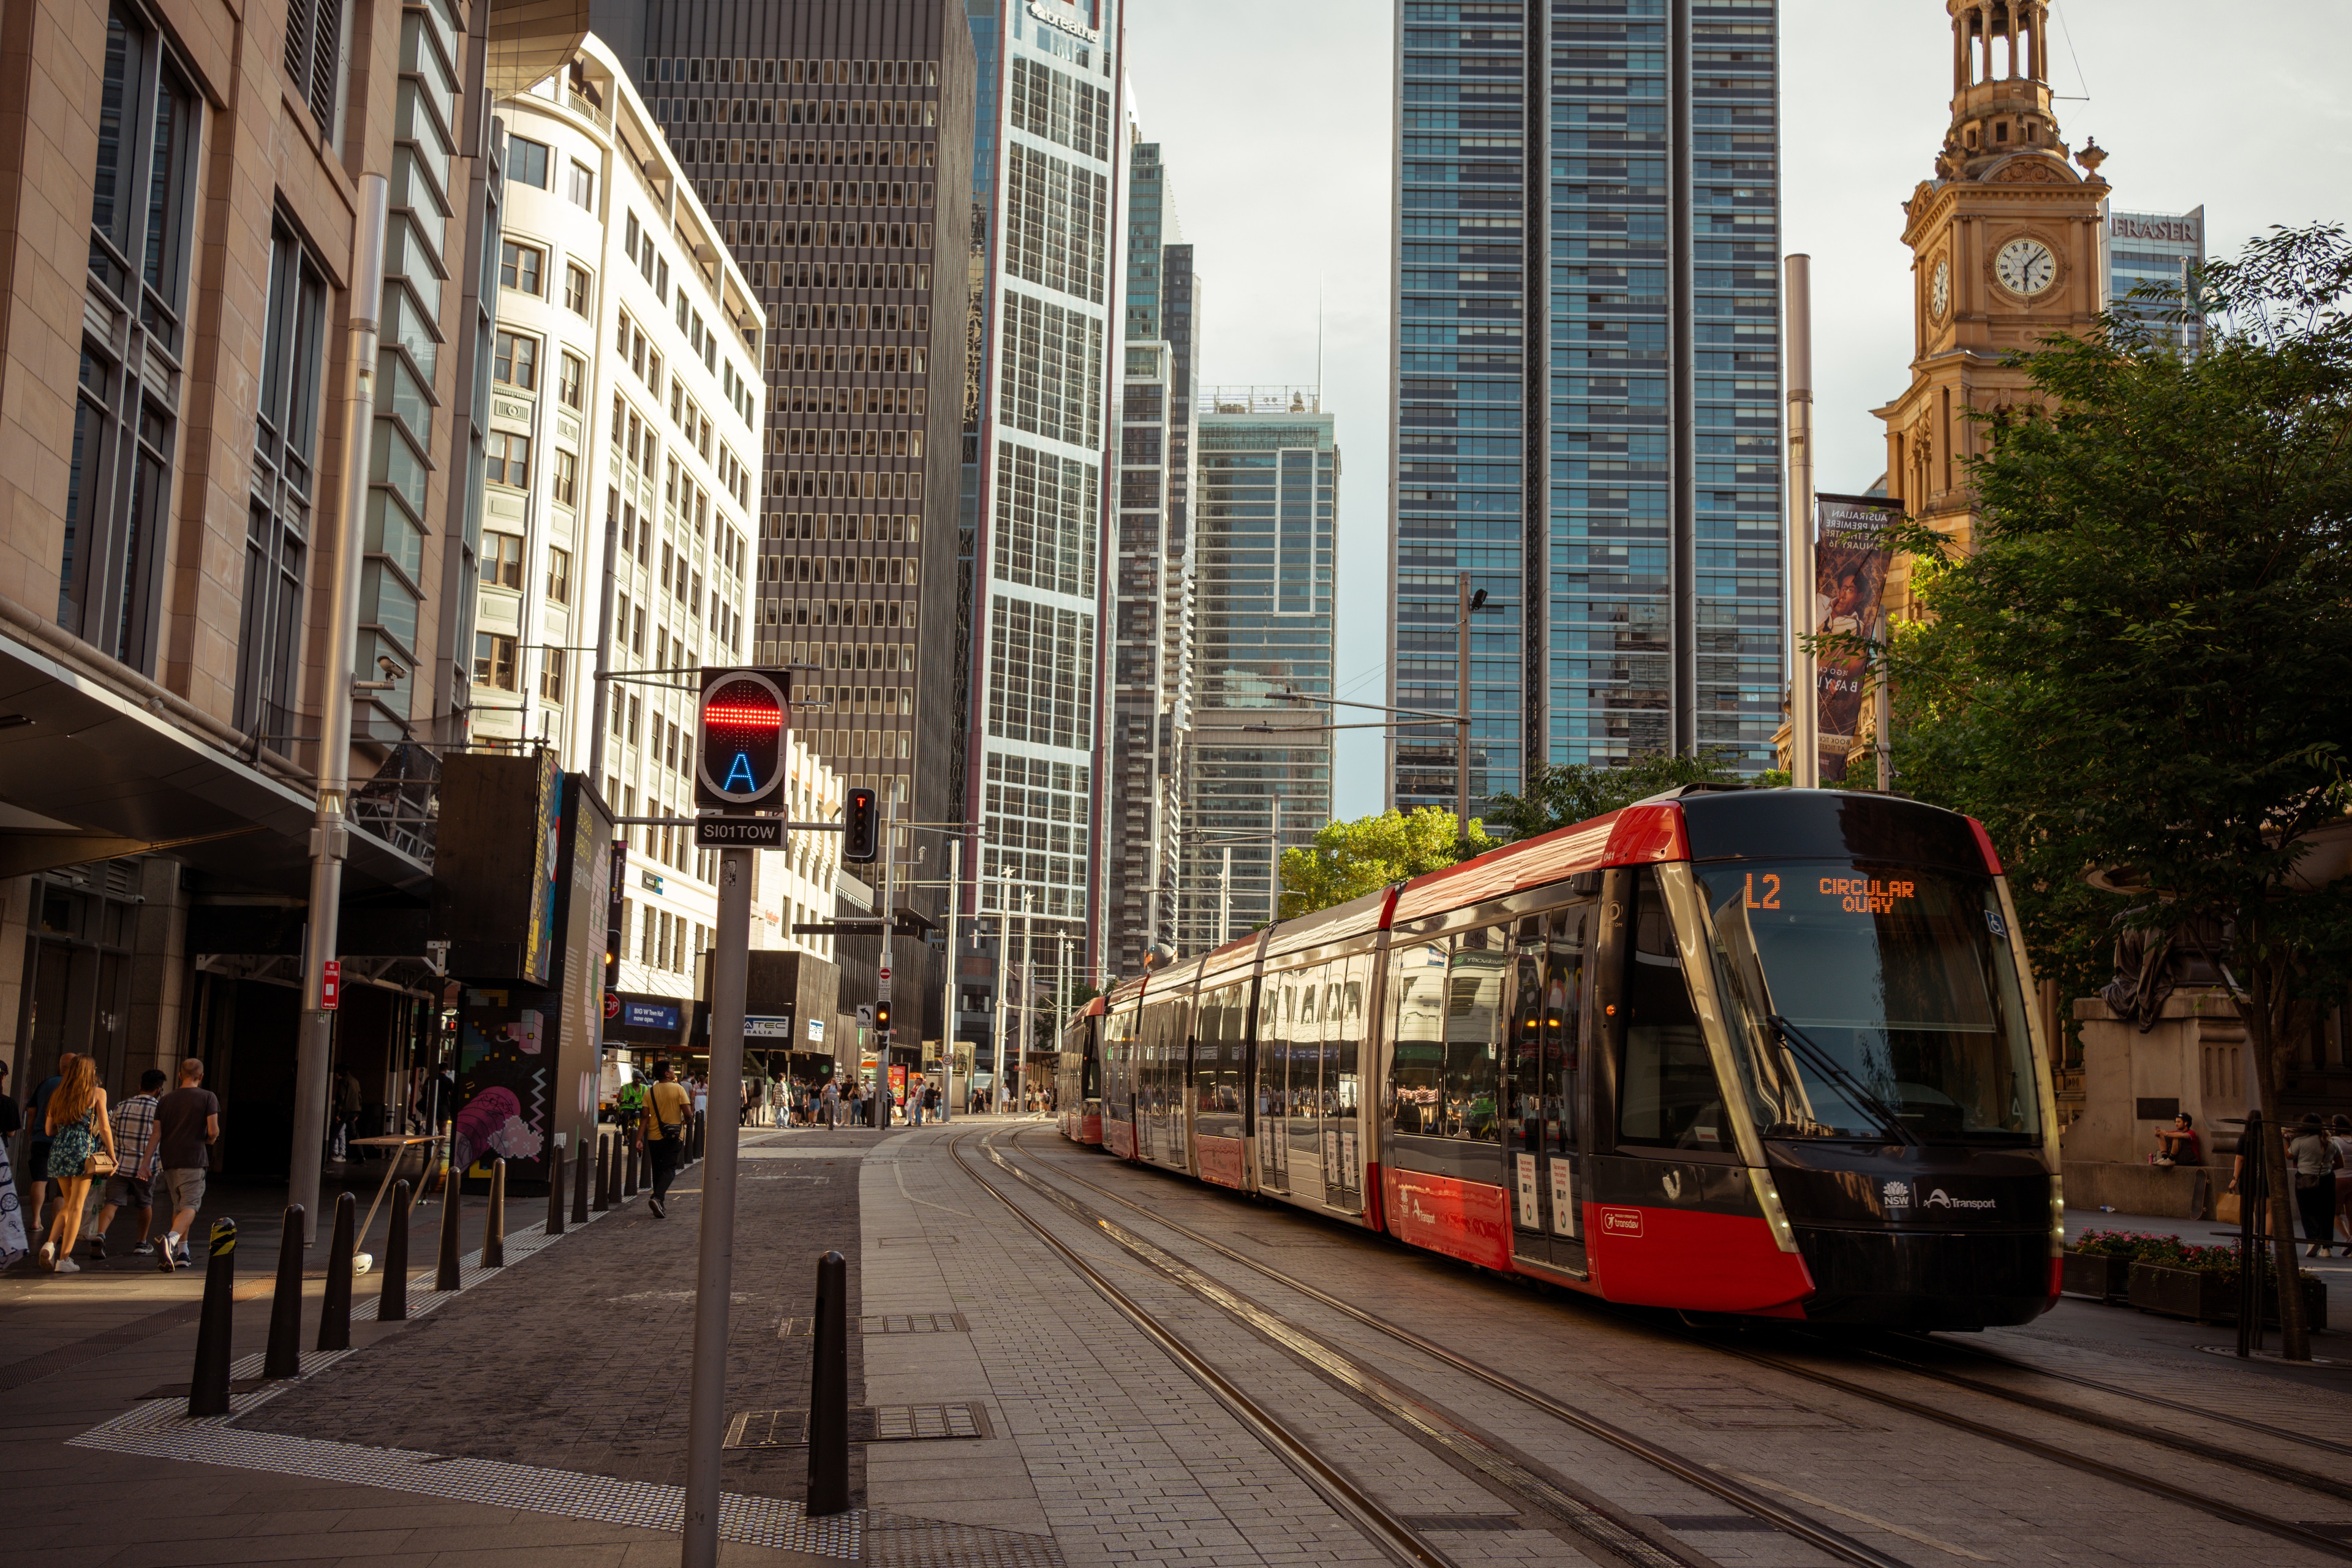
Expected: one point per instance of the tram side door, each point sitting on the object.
(1545, 1089)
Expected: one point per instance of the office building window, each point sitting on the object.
(583, 189)
(519, 267)
(314, 37)
(527, 161)
(575, 288)
(567, 479)
(516, 362)
(119, 475)
(551, 675)
(277, 531)
(507, 460)
(502, 560)
(494, 662)
(558, 575)
(571, 384)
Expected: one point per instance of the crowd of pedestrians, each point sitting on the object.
(79, 1151)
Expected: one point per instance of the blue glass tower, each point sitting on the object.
(1587, 385)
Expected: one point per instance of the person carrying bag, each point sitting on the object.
(662, 1130)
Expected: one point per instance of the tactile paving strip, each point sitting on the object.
(160, 1429)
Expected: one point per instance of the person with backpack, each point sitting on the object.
(668, 1113)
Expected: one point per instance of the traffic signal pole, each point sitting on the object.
(715, 1268)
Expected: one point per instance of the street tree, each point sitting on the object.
(1557, 795)
(1349, 859)
(2145, 665)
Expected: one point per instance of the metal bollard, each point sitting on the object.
(335, 1317)
(284, 1356)
(453, 1209)
(494, 1229)
(554, 1226)
(603, 1172)
(828, 1477)
(580, 1163)
(391, 1301)
(209, 1389)
(629, 1170)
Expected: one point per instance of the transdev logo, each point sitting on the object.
(1939, 1199)
(1622, 1222)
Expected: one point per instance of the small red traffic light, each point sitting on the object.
(857, 833)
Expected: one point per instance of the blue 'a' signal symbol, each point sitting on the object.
(741, 770)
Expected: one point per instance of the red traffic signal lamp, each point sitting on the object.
(857, 835)
(746, 725)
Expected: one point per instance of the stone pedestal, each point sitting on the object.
(2194, 1059)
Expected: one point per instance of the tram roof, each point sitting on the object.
(1639, 835)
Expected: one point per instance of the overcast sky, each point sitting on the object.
(1278, 140)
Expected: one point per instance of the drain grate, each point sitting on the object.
(1698, 1523)
(884, 1324)
(867, 1424)
(1463, 1522)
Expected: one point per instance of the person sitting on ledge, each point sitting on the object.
(2177, 1145)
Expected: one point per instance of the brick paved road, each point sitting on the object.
(582, 1366)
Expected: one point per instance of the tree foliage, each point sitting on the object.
(1349, 859)
(2146, 664)
(1575, 792)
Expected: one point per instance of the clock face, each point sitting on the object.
(1940, 291)
(2025, 267)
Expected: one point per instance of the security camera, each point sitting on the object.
(391, 669)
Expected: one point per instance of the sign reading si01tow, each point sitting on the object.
(738, 833)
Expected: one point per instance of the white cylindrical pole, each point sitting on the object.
(1804, 700)
(1003, 1076)
(948, 986)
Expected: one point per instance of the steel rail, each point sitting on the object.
(1834, 1543)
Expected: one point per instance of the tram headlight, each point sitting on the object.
(1767, 1198)
(2057, 1214)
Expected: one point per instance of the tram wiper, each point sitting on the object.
(1823, 1062)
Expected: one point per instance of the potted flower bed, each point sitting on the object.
(2099, 1263)
(2202, 1283)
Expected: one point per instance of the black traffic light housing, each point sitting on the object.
(857, 837)
(743, 745)
(882, 1016)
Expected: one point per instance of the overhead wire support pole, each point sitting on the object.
(1804, 701)
(330, 835)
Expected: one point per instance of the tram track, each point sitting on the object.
(2185, 1496)
(1521, 1481)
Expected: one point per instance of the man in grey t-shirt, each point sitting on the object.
(187, 1124)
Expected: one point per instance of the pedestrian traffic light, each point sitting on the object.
(746, 720)
(857, 826)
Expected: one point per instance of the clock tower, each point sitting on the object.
(2005, 251)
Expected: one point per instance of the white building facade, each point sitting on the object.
(621, 488)
(1049, 287)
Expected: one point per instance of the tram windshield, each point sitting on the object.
(1873, 1001)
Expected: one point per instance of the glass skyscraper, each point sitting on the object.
(1587, 385)
(1258, 769)
(2164, 249)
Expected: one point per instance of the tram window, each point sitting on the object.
(1473, 1004)
(1217, 1052)
(1417, 1083)
(1668, 1097)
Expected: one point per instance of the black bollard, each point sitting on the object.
(554, 1226)
(603, 1172)
(580, 1163)
(209, 1389)
(335, 1316)
(453, 1209)
(828, 1479)
(284, 1356)
(391, 1301)
(629, 1170)
(494, 1229)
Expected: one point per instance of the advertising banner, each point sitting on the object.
(1850, 560)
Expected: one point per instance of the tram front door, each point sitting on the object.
(1546, 1088)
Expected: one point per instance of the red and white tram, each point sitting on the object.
(1757, 1052)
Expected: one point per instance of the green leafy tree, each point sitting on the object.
(2146, 664)
(1349, 859)
(1574, 792)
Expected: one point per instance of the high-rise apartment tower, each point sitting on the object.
(1587, 385)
